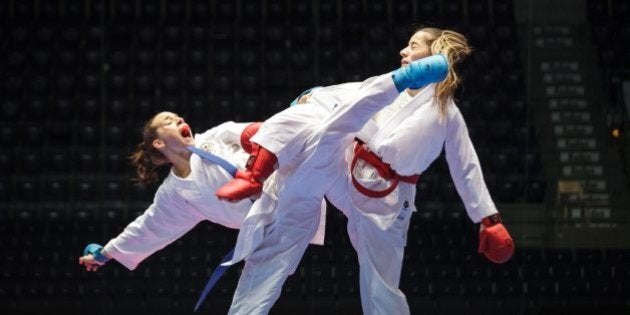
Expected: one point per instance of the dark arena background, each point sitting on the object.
(545, 95)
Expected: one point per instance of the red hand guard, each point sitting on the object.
(496, 243)
(249, 183)
(247, 134)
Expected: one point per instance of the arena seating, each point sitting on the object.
(81, 77)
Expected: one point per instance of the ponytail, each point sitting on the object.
(454, 47)
(146, 159)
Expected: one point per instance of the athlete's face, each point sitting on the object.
(173, 132)
(417, 48)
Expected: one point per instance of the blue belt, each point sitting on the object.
(220, 270)
(214, 277)
(214, 159)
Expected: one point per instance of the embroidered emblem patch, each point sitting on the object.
(207, 146)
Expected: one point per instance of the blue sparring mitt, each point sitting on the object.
(95, 250)
(421, 72)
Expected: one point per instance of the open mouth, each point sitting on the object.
(185, 131)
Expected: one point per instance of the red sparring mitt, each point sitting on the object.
(249, 182)
(494, 241)
(247, 134)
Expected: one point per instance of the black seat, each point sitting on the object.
(222, 58)
(197, 59)
(87, 162)
(7, 164)
(117, 109)
(31, 162)
(85, 190)
(149, 10)
(477, 288)
(250, 35)
(445, 288)
(479, 35)
(478, 11)
(275, 10)
(300, 11)
(620, 10)
(59, 161)
(252, 11)
(200, 11)
(567, 272)
(144, 83)
(171, 59)
(198, 37)
(123, 12)
(504, 35)
(74, 11)
(34, 109)
(430, 11)
(119, 59)
(328, 10)
(60, 133)
(377, 10)
(503, 11)
(88, 108)
(453, 9)
(223, 83)
(26, 189)
(147, 37)
(88, 134)
(170, 83)
(118, 83)
(174, 11)
(114, 189)
(116, 135)
(91, 83)
(56, 189)
(38, 85)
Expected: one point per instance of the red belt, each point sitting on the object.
(383, 169)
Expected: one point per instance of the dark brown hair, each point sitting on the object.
(147, 159)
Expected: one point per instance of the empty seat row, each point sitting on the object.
(199, 11)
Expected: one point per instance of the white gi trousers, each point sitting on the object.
(380, 250)
(300, 196)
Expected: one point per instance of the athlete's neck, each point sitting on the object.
(181, 162)
(412, 92)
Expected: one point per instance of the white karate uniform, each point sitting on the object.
(377, 226)
(181, 203)
(301, 189)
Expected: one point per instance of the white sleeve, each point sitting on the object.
(228, 132)
(162, 223)
(284, 133)
(465, 169)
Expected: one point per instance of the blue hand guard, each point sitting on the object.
(421, 72)
(295, 101)
(95, 250)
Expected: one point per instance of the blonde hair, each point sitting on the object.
(455, 48)
(147, 159)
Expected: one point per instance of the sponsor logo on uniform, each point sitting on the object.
(207, 146)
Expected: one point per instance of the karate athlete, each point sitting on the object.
(373, 183)
(186, 196)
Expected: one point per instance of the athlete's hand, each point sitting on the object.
(496, 243)
(89, 262)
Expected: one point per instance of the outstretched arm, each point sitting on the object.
(162, 223)
(93, 257)
(494, 240)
